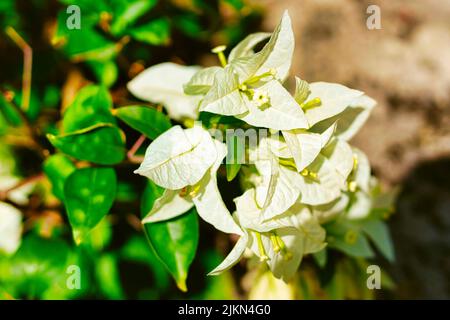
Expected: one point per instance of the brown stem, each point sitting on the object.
(27, 65)
(131, 154)
(4, 194)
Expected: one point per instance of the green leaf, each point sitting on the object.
(379, 234)
(156, 32)
(91, 106)
(57, 168)
(105, 72)
(9, 112)
(108, 276)
(103, 144)
(38, 265)
(127, 12)
(235, 164)
(358, 248)
(136, 250)
(321, 258)
(89, 194)
(86, 43)
(174, 241)
(144, 119)
(151, 192)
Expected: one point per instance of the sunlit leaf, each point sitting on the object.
(144, 119)
(89, 194)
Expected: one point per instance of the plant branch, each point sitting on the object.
(131, 153)
(4, 194)
(27, 65)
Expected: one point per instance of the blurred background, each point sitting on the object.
(404, 66)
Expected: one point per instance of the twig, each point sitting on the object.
(131, 153)
(4, 194)
(27, 65)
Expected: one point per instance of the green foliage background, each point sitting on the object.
(71, 144)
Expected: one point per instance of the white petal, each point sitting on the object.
(354, 117)
(245, 47)
(300, 217)
(233, 257)
(208, 200)
(279, 191)
(351, 119)
(305, 146)
(201, 82)
(283, 113)
(168, 206)
(178, 158)
(224, 96)
(281, 267)
(10, 228)
(249, 214)
(276, 54)
(163, 83)
(329, 211)
(314, 234)
(362, 173)
(334, 99)
(340, 155)
(360, 207)
(324, 189)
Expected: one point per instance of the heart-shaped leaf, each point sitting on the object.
(89, 194)
(102, 144)
(174, 241)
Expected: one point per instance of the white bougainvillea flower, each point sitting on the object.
(305, 146)
(202, 80)
(340, 155)
(329, 211)
(359, 186)
(185, 162)
(249, 87)
(282, 185)
(163, 83)
(245, 48)
(279, 110)
(275, 55)
(179, 157)
(10, 228)
(351, 119)
(281, 242)
(323, 100)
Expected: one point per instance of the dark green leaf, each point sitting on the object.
(321, 258)
(89, 194)
(174, 241)
(91, 106)
(102, 144)
(9, 112)
(85, 43)
(38, 265)
(106, 72)
(108, 276)
(144, 119)
(358, 248)
(57, 168)
(379, 234)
